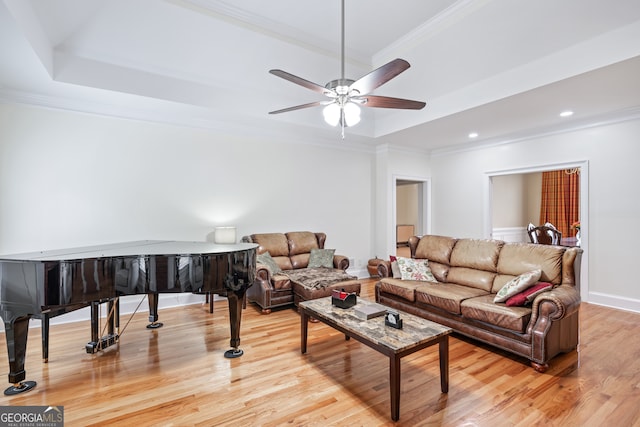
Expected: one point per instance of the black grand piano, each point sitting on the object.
(50, 283)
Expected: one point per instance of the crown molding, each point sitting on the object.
(611, 118)
(259, 129)
(254, 22)
(429, 28)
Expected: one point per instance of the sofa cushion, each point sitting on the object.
(435, 248)
(280, 281)
(483, 308)
(414, 269)
(299, 261)
(301, 242)
(476, 254)
(518, 258)
(471, 277)
(447, 296)
(528, 295)
(517, 285)
(266, 259)
(440, 271)
(403, 288)
(275, 243)
(321, 258)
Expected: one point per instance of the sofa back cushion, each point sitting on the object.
(477, 254)
(276, 244)
(301, 242)
(474, 263)
(435, 248)
(518, 258)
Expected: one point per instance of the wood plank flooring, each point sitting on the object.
(177, 376)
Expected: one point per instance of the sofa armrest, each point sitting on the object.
(263, 273)
(554, 305)
(341, 262)
(557, 311)
(384, 269)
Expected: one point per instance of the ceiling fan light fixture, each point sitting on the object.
(346, 95)
(351, 114)
(332, 114)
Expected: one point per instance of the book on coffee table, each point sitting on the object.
(366, 311)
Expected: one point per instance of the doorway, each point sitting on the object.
(411, 213)
(517, 234)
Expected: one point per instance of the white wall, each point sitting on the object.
(69, 179)
(459, 197)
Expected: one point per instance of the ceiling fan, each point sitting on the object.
(346, 95)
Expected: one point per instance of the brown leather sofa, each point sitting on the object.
(291, 251)
(470, 272)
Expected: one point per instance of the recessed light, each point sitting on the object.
(566, 113)
(473, 135)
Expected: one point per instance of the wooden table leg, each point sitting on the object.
(444, 364)
(304, 323)
(394, 384)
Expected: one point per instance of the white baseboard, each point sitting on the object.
(128, 305)
(614, 301)
(360, 273)
(132, 303)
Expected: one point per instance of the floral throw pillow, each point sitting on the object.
(266, 259)
(415, 269)
(517, 284)
(321, 258)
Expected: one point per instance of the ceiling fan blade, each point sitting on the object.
(379, 76)
(388, 102)
(299, 107)
(300, 81)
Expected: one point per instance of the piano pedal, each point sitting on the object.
(107, 341)
(233, 353)
(155, 325)
(20, 388)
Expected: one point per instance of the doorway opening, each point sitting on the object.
(411, 212)
(493, 208)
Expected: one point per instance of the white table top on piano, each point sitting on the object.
(135, 248)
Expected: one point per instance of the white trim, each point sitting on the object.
(584, 208)
(614, 301)
(606, 119)
(128, 305)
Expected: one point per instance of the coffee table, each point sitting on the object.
(416, 334)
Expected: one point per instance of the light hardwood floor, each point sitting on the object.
(177, 376)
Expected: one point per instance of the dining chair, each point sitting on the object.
(545, 234)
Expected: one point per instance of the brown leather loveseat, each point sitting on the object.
(293, 280)
(470, 273)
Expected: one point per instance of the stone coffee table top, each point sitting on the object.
(415, 330)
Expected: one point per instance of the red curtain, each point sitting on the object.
(560, 203)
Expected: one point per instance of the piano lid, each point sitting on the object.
(135, 248)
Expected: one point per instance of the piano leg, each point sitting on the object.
(16, 332)
(97, 342)
(235, 312)
(45, 337)
(153, 312)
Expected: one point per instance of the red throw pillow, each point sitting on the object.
(526, 296)
(392, 258)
